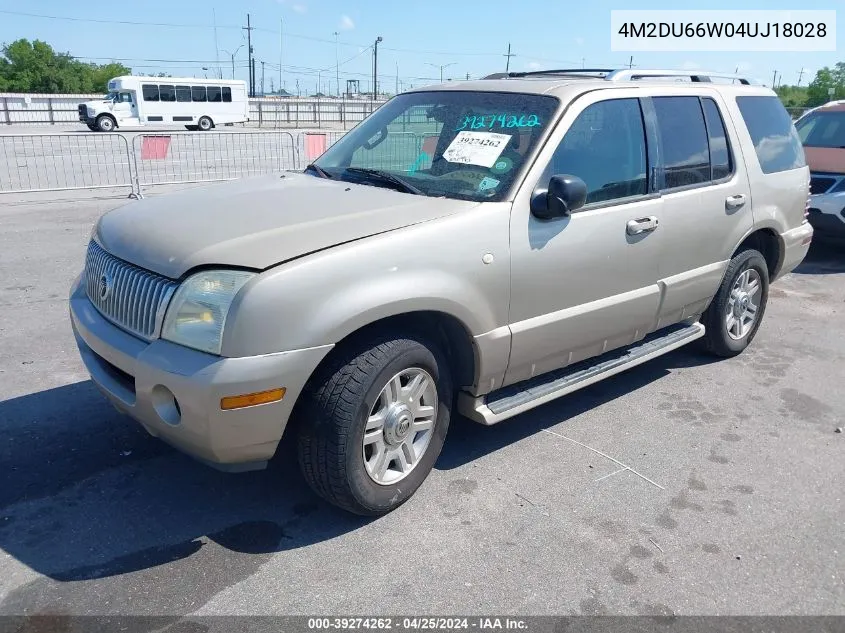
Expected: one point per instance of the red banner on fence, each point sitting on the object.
(315, 144)
(154, 147)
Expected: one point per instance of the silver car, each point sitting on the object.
(481, 247)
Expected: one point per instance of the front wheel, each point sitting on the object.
(735, 314)
(205, 124)
(105, 123)
(373, 423)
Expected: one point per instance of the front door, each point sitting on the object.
(587, 283)
(126, 109)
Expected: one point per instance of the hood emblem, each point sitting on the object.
(104, 286)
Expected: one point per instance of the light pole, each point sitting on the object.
(441, 67)
(233, 57)
(336, 65)
(205, 69)
(375, 67)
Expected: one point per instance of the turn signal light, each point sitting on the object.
(252, 399)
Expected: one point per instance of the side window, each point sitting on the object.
(150, 92)
(214, 93)
(168, 93)
(683, 141)
(606, 148)
(775, 139)
(721, 165)
(198, 93)
(126, 97)
(227, 94)
(183, 93)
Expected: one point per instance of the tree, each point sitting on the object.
(792, 96)
(35, 67)
(827, 78)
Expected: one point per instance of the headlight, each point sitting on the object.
(197, 312)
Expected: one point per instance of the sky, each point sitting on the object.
(467, 37)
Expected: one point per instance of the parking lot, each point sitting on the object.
(684, 486)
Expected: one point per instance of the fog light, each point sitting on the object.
(165, 404)
(252, 399)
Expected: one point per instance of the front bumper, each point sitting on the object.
(175, 392)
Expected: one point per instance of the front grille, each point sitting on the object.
(128, 296)
(82, 110)
(820, 184)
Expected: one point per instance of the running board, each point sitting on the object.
(522, 396)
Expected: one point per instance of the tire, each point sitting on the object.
(719, 339)
(191, 128)
(91, 127)
(205, 124)
(105, 123)
(351, 392)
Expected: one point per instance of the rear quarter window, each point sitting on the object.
(776, 142)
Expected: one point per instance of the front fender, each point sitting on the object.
(321, 298)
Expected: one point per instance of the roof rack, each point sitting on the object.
(622, 74)
(629, 74)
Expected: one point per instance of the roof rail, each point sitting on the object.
(558, 72)
(622, 74)
(630, 74)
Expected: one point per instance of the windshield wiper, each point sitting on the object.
(322, 173)
(386, 176)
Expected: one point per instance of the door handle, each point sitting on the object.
(735, 202)
(642, 225)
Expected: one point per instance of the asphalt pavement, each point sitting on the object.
(684, 486)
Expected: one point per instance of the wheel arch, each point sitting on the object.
(107, 115)
(770, 245)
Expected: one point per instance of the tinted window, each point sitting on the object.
(605, 147)
(150, 92)
(183, 93)
(775, 139)
(823, 129)
(167, 93)
(683, 141)
(720, 155)
(125, 97)
(198, 93)
(227, 94)
(214, 93)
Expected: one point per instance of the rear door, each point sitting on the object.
(706, 198)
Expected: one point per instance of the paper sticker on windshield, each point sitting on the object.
(476, 148)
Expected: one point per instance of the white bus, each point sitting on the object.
(198, 104)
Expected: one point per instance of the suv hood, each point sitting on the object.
(825, 159)
(258, 222)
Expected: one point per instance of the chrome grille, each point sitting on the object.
(129, 296)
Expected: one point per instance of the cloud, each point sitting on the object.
(346, 23)
(534, 65)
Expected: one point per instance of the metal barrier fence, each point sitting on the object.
(60, 162)
(186, 157)
(56, 162)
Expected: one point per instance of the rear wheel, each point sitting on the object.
(373, 423)
(105, 123)
(735, 314)
(205, 124)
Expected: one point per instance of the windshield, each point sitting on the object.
(111, 96)
(465, 145)
(822, 129)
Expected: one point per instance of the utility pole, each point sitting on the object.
(583, 63)
(631, 62)
(281, 25)
(248, 28)
(441, 67)
(396, 92)
(336, 65)
(262, 77)
(508, 55)
(467, 76)
(774, 76)
(375, 67)
(800, 75)
(272, 86)
(216, 49)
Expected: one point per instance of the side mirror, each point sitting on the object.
(565, 194)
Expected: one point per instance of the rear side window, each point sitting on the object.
(775, 139)
(683, 141)
(150, 92)
(167, 93)
(605, 147)
(227, 94)
(720, 155)
(183, 93)
(198, 93)
(214, 93)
